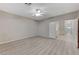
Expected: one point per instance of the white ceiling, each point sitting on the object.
(52, 9)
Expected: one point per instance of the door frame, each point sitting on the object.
(78, 33)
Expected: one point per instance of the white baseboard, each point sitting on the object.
(3, 42)
(25, 38)
(46, 37)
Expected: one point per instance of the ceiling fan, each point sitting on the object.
(37, 11)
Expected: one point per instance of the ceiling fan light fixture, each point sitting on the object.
(38, 12)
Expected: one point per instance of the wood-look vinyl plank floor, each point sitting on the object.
(39, 46)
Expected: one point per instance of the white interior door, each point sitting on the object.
(53, 29)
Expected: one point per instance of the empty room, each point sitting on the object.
(39, 29)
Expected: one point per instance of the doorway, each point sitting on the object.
(67, 31)
(53, 29)
(71, 28)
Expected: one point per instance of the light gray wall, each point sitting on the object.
(44, 25)
(14, 27)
